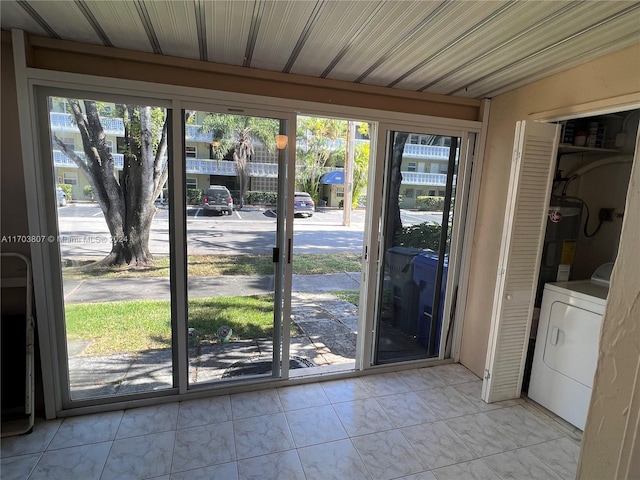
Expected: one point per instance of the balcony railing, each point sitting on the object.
(417, 178)
(255, 169)
(61, 160)
(426, 151)
(194, 165)
(64, 122)
(193, 133)
(228, 168)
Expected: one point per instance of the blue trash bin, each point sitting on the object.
(403, 290)
(429, 324)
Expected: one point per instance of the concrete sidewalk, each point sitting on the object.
(158, 288)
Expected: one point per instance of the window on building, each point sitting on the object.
(263, 155)
(419, 192)
(59, 105)
(191, 152)
(411, 167)
(120, 145)
(432, 193)
(110, 145)
(414, 139)
(409, 192)
(441, 193)
(192, 183)
(69, 143)
(340, 192)
(70, 178)
(264, 184)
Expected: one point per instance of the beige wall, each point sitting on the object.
(13, 205)
(610, 76)
(612, 422)
(614, 413)
(604, 187)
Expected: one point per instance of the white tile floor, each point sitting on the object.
(419, 424)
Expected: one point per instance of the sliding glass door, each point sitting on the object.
(107, 163)
(234, 179)
(418, 208)
(169, 244)
(160, 236)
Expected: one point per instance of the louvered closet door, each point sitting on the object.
(534, 155)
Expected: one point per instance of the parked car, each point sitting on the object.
(61, 197)
(217, 199)
(303, 204)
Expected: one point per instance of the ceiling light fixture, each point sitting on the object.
(281, 141)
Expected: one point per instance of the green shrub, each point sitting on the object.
(67, 189)
(430, 204)
(88, 192)
(194, 195)
(262, 198)
(423, 235)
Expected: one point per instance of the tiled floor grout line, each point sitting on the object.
(375, 389)
(489, 467)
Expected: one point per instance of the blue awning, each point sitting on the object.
(333, 178)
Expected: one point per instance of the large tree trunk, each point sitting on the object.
(126, 201)
(394, 222)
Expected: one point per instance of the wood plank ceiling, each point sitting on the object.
(473, 49)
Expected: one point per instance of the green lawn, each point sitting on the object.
(214, 265)
(351, 296)
(118, 327)
(129, 326)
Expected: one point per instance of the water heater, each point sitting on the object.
(558, 252)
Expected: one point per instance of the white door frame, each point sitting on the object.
(374, 241)
(28, 78)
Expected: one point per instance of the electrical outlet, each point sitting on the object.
(606, 214)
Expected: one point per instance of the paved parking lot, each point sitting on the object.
(84, 233)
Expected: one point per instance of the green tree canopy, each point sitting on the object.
(322, 143)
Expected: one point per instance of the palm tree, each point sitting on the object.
(237, 133)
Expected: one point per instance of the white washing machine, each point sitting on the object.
(566, 350)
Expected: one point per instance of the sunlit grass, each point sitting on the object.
(351, 296)
(215, 265)
(132, 326)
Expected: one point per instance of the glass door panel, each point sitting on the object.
(232, 169)
(109, 164)
(332, 164)
(417, 222)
